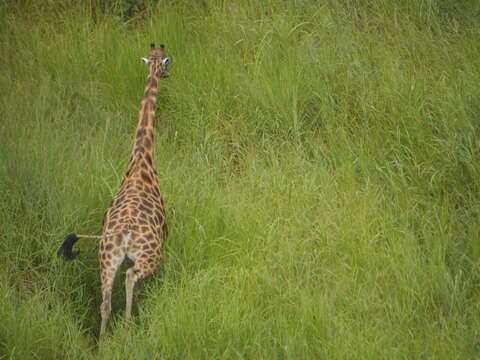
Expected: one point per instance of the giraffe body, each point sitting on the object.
(134, 225)
(137, 212)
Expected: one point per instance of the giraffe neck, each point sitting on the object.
(143, 145)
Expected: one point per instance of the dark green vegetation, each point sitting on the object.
(319, 160)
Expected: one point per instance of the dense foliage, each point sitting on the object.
(319, 160)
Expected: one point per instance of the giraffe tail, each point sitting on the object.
(66, 249)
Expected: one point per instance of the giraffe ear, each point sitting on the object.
(145, 60)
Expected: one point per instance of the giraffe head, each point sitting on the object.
(158, 60)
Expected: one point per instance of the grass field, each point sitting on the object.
(320, 161)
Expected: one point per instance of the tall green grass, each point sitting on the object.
(319, 161)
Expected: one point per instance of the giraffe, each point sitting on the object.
(134, 225)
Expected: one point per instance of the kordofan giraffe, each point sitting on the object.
(134, 224)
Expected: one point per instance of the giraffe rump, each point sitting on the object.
(66, 249)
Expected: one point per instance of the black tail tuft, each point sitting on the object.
(66, 249)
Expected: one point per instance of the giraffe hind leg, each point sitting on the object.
(130, 281)
(138, 271)
(110, 261)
